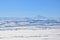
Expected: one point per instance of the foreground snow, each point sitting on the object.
(23, 34)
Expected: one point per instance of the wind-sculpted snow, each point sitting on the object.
(50, 34)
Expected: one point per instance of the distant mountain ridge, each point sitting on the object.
(37, 21)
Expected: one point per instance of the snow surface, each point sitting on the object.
(23, 34)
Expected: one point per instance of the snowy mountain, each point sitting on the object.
(37, 22)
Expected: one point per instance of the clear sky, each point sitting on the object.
(28, 8)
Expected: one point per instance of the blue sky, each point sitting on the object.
(29, 8)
